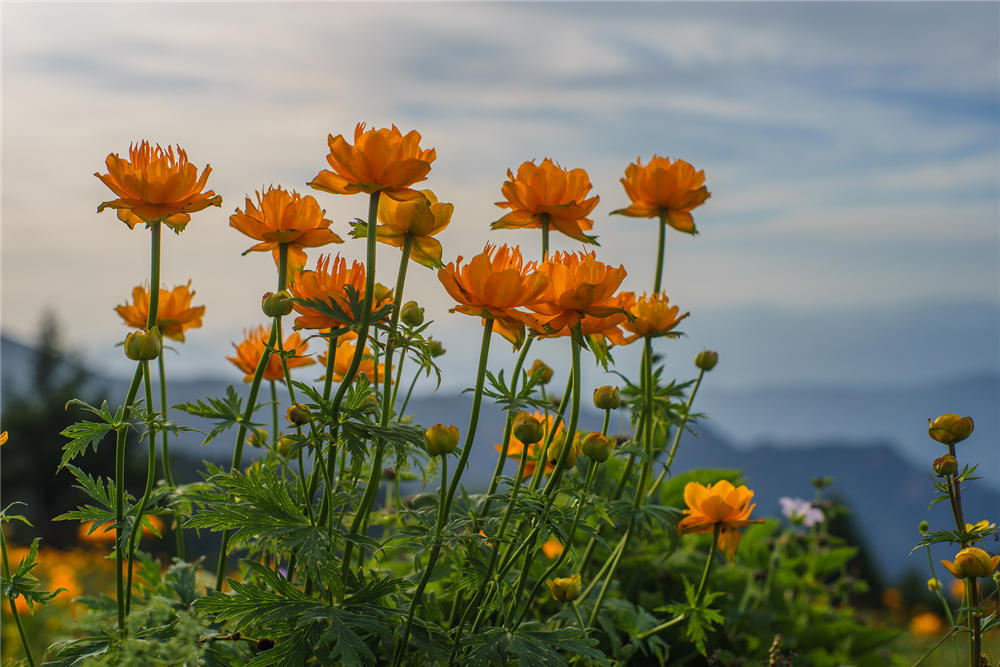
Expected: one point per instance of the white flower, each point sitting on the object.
(800, 512)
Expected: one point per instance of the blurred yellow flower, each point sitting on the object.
(926, 624)
(552, 548)
(174, 314)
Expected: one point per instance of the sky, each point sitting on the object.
(852, 151)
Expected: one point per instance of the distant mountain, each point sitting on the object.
(886, 490)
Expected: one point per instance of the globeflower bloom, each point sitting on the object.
(249, 352)
(652, 315)
(720, 504)
(382, 160)
(579, 286)
(972, 562)
(283, 217)
(417, 219)
(664, 188)
(174, 314)
(949, 429)
(328, 283)
(548, 193)
(155, 185)
(494, 284)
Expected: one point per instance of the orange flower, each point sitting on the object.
(380, 160)
(515, 446)
(284, 217)
(329, 283)
(548, 192)
(654, 316)
(664, 188)
(493, 285)
(174, 314)
(579, 286)
(345, 354)
(720, 504)
(106, 534)
(552, 548)
(926, 624)
(154, 184)
(249, 352)
(419, 219)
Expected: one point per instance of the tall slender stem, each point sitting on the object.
(708, 564)
(241, 432)
(677, 435)
(150, 477)
(13, 606)
(445, 509)
(168, 473)
(545, 236)
(658, 278)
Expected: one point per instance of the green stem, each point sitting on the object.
(150, 477)
(931, 650)
(610, 576)
(677, 436)
(662, 626)
(447, 500)
(545, 236)
(409, 392)
(241, 432)
(120, 497)
(275, 420)
(375, 476)
(13, 606)
(708, 565)
(168, 473)
(658, 278)
(612, 557)
(972, 584)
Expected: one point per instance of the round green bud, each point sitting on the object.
(607, 398)
(276, 305)
(284, 445)
(435, 348)
(596, 447)
(706, 360)
(298, 414)
(945, 465)
(440, 439)
(527, 429)
(541, 371)
(412, 314)
(144, 345)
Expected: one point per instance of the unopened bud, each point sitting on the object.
(540, 371)
(527, 429)
(923, 527)
(607, 398)
(822, 482)
(596, 447)
(298, 414)
(945, 465)
(144, 345)
(440, 439)
(435, 347)
(565, 589)
(949, 429)
(276, 305)
(706, 360)
(284, 445)
(257, 438)
(381, 293)
(412, 314)
(933, 585)
(555, 450)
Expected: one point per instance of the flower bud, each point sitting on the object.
(381, 293)
(527, 429)
(540, 370)
(257, 437)
(607, 398)
(284, 445)
(706, 360)
(440, 439)
(972, 562)
(933, 585)
(276, 305)
(143, 345)
(822, 482)
(949, 429)
(555, 450)
(923, 527)
(412, 314)
(389, 473)
(435, 347)
(945, 465)
(298, 414)
(596, 447)
(565, 589)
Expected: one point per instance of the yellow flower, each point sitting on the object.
(494, 284)
(249, 352)
(972, 562)
(662, 187)
(578, 286)
(547, 192)
(565, 589)
(284, 217)
(382, 160)
(926, 624)
(985, 524)
(3, 438)
(155, 185)
(720, 504)
(652, 315)
(174, 314)
(949, 428)
(417, 219)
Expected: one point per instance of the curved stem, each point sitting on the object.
(241, 432)
(13, 607)
(150, 476)
(677, 435)
(708, 564)
(658, 277)
(452, 488)
(168, 473)
(611, 572)
(409, 392)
